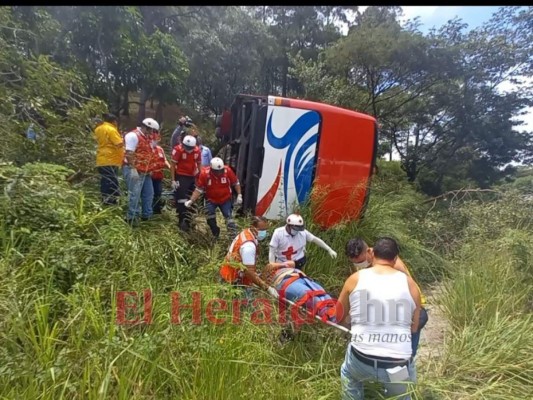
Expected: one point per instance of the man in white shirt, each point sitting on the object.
(243, 250)
(139, 163)
(380, 348)
(288, 242)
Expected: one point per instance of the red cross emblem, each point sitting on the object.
(288, 253)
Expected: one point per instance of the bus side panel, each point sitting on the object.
(345, 161)
(290, 146)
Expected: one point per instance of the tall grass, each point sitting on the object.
(487, 301)
(62, 267)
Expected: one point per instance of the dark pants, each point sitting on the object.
(109, 187)
(415, 337)
(157, 204)
(226, 209)
(181, 195)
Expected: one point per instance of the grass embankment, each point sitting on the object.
(64, 259)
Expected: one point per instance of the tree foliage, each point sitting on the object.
(36, 90)
(439, 97)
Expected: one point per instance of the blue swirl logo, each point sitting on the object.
(303, 164)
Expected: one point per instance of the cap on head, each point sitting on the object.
(296, 222)
(151, 123)
(189, 142)
(217, 164)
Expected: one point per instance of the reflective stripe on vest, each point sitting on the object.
(229, 273)
(217, 187)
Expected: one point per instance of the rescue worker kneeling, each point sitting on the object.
(293, 285)
(243, 250)
(215, 183)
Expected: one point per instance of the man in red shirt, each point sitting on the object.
(186, 163)
(215, 183)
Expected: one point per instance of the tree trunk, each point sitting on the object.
(126, 103)
(391, 144)
(115, 107)
(142, 107)
(411, 170)
(159, 112)
(152, 103)
(284, 77)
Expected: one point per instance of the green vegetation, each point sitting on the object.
(439, 97)
(64, 258)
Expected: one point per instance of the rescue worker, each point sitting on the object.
(288, 242)
(138, 166)
(380, 348)
(185, 165)
(157, 175)
(215, 183)
(109, 157)
(360, 254)
(244, 251)
(178, 134)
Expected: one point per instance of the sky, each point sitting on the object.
(474, 16)
(436, 16)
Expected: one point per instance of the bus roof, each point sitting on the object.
(307, 105)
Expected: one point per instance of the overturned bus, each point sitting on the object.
(287, 152)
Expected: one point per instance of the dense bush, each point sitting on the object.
(65, 258)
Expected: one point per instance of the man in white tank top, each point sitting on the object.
(360, 254)
(382, 307)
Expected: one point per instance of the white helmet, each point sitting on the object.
(189, 141)
(296, 222)
(217, 164)
(151, 123)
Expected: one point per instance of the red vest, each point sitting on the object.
(145, 156)
(230, 273)
(187, 163)
(157, 174)
(217, 188)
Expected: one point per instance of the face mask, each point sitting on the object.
(361, 265)
(261, 235)
(293, 231)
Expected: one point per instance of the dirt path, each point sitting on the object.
(432, 338)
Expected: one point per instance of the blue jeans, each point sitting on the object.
(226, 209)
(354, 373)
(139, 191)
(415, 337)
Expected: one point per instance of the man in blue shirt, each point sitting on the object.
(206, 153)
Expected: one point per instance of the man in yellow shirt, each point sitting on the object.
(109, 157)
(360, 254)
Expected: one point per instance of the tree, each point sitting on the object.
(35, 90)
(225, 58)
